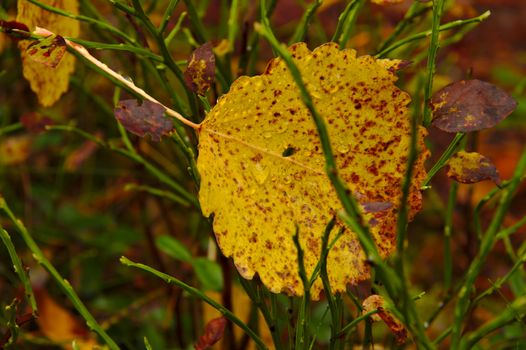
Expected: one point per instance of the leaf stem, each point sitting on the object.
(443, 158)
(303, 25)
(19, 268)
(425, 34)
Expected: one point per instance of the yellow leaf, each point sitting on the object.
(59, 325)
(263, 170)
(48, 83)
(15, 149)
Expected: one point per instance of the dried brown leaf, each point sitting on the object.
(147, 118)
(470, 105)
(214, 331)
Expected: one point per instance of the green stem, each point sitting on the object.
(487, 243)
(100, 24)
(515, 310)
(443, 158)
(448, 228)
(438, 9)
(425, 34)
(355, 322)
(303, 25)
(167, 15)
(413, 12)
(19, 268)
(62, 282)
(10, 128)
(346, 22)
(302, 336)
(198, 294)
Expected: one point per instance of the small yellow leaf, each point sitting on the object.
(263, 170)
(59, 325)
(48, 83)
(472, 167)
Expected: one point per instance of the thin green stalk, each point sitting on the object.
(415, 10)
(425, 34)
(512, 229)
(501, 281)
(302, 334)
(156, 192)
(139, 51)
(355, 322)
(516, 310)
(487, 243)
(198, 27)
(303, 25)
(408, 306)
(198, 294)
(167, 15)
(100, 24)
(175, 29)
(270, 316)
(19, 268)
(442, 161)
(10, 128)
(186, 198)
(448, 229)
(333, 301)
(438, 9)
(62, 282)
(344, 22)
(168, 59)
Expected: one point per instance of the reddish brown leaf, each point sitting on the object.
(213, 333)
(470, 105)
(200, 73)
(140, 120)
(376, 302)
(34, 122)
(11, 26)
(48, 51)
(468, 168)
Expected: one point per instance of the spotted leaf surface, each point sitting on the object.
(48, 83)
(200, 73)
(147, 118)
(470, 105)
(471, 167)
(48, 51)
(263, 171)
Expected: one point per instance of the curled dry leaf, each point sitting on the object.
(259, 191)
(377, 302)
(48, 51)
(470, 105)
(48, 83)
(147, 118)
(200, 73)
(471, 167)
(213, 333)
